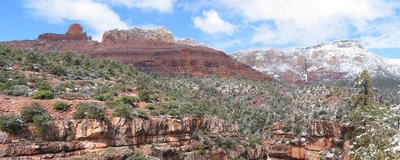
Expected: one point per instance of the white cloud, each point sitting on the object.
(306, 22)
(385, 35)
(93, 14)
(212, 23)
(160, 5)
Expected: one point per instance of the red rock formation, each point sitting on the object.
(173, 137)
(74, 29)
(148, 55)
(74, 33)
(323, 135)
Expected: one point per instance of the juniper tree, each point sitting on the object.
(373, 133)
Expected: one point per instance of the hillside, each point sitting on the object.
(110, 106)
(336, 62)
(347, 57)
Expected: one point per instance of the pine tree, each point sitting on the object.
(373, 134)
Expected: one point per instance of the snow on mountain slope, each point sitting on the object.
(326, 61)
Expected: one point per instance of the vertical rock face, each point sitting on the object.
(322, 136)
(166, 138)
(74, 29)
(74, 33)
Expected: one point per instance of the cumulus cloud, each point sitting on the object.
(93, 14)
(159, 5)
(309, 21)
(212, 23)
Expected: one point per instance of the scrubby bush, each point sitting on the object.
(32, 110)
(61, 106)
(43, 94)
(201, 149)
(43, 85)
(150, 106)
(57, 69)
(18, 90)
(131, 100)
(89, 111)
(123, 110)
(144, 95)
(2, 86)
(11, 124)
(141, 114)
(226, 143)
(104, 93)
(42, 123)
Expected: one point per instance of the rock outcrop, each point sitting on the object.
(150, 50)
(323, 137)
(74, 33)
(156, 34)
(165, 138)
(188, 41)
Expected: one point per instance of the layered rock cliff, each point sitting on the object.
(150, 50)
(324, 140)
(159, 137)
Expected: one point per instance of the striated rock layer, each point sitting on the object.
(165, 138)
(323, 137)
(149, 50)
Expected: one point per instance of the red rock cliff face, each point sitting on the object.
(165, 138)
(150, 55)
(323, 136)
(74, 33)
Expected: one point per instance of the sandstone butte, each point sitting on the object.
(150, 50)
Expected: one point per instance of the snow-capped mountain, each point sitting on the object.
(323, 62)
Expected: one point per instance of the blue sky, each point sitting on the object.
(229, 25)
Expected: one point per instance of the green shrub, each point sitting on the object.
(144, 95)
(57, 69)
(153, 113)
(42, 123)
(18, 90)
(69, 85)
(61, 106)
(201, 149)
(43, 85)
(150, 106)
(229, 143)
(89, 111)
(11, 124)
(43, 94)
(123, 110)
(140, 114)
(225, 143)
(131, 100)
(29, 111)
(104, 93)
(2, 86)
